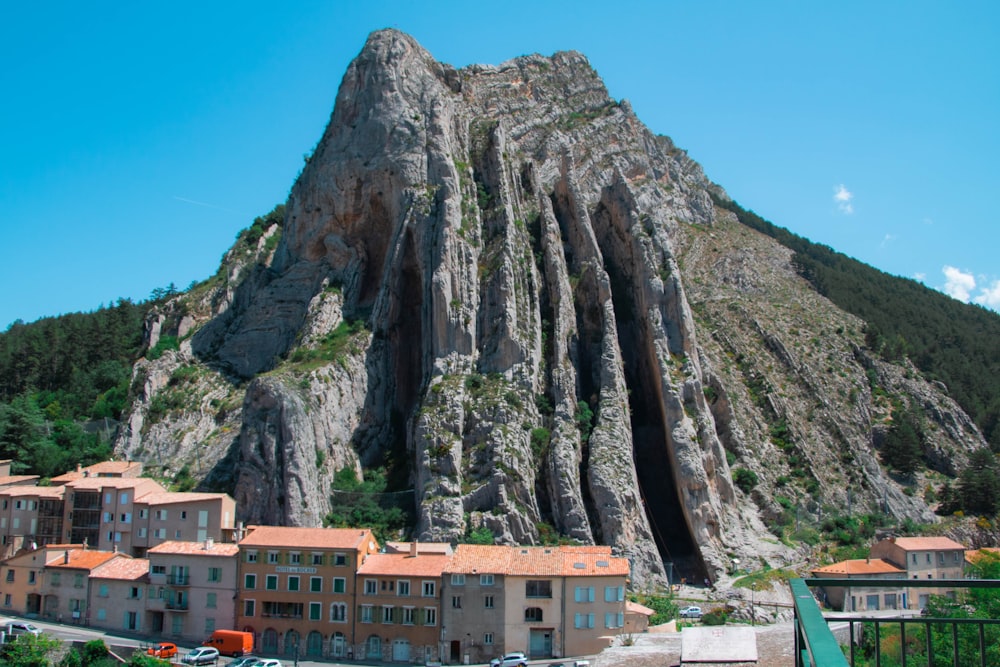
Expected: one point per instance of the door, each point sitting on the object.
(401, 650)
(540, 644)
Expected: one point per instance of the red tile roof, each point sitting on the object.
(861, 566)
(173, 497)
(39, 491)
(936, 543)
(307, 538)
(393, 565)
(195, 549)
(542, 561)
(125, 569)
(81, 559)
(142, 485)
(17, 480)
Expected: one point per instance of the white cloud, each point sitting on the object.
(919, 276)
(990, 296)
(958, 284)
(843, 197)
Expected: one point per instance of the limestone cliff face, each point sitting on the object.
(560, 328)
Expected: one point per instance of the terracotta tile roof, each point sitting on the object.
(174, 497)
(114, 467)
(860, 566)
(927, 543)
(125, 569)
(422, 547)
(972, 555)
(39, 491)
(307, 538)
(541, 561)
(18, 480)
(392, 565)
(142, 485)
(82, 559)
(195, 549)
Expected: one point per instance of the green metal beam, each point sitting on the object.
(820, 644)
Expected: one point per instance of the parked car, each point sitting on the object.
(18, 628)
(203, 655)
(163, 650)
(690, 612)
(267, 662)
(246, 661)
(515, 659)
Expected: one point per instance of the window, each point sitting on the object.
(614, 593)
(928, 559)
(31, 576)
(209, 626)
(215, 574)
(126, 517)
(251, 556)
(428, 589)
(249, 581)
(388, 613)
(538, 588)
(532, 615)
(123, 498)
(366, 613)
(19, 505)
(107, 517)
(371, 587)
(315, 584)
(272, 557)
(913, 558)
(177, 534)
(584, 594)
(293, 583)
(488, 638)
(486, 580)
(408, 615)
(403, 587)
(210, 600)
(583, 621)
(107, 498)
(144, 513)
(339, 585)
(430, 616)
(317, 559)
(340, 559)
(338, 612)
(271, 582)
(102, 592)
(315, 611)
(458, 580)
(102, 614)
(10, 577)
(78, 580)
(295, 558)
(184, 514)
(54, 579)
(249, 607)
(160, 533)
(456, 601)
(613, 620)
(488, 602)
(161, 515)
(134, 593)
(142, 532)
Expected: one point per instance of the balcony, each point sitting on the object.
(906, 637)
(178, 579)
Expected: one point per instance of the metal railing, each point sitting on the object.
(884, 641)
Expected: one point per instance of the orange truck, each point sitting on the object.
(231, 642)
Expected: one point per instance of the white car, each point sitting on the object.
(515, 659)
(267, 662)
(690, 612)
(18, 628)
(203, 655)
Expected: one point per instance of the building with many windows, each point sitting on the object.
(923, 558)
(296, 588)
(398, 605)
(861, 598)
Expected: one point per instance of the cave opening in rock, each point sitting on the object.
(655, 470)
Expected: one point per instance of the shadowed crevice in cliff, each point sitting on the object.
(406, 354)
(650, 437)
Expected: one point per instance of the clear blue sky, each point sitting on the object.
(137, 139)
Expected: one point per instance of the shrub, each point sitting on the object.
(745, 479)
(715, 617)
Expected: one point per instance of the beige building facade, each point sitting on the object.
(925, 558)
(118, 595)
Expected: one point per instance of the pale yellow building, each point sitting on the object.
(118, 595)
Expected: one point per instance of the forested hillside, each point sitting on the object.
(949, 341)
(57, 375)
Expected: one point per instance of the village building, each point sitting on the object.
(923, 558)
(862, 598)
(296, 589)
(398, 603)
(118, 595)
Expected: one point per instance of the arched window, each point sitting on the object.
(532, 615)
(338, 612)
(314, 644)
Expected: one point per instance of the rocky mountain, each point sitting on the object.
(542, 318)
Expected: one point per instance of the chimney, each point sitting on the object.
(209, 543)
(413, 549)
(65, 557)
